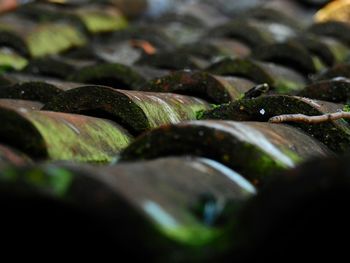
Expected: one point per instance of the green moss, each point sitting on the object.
(319, 65)
(102, 102)
(90, 141)
(31, 90)
(346, 108)
(193, 109)
(285, 86)
(195, 235)
(200, 114)
(241, 96)
(109, 74)
(215, 106)
(11, 59)
(187, 231)
(99, 22)
(8, 173)
(334, 135)
(213, 110)
(57, 180)
(60, 179)
(248, 152)
(161, 111)
(264, 164)
(340, 51)
(292, 155)
(54, 179)
(54, 38)
(159, 114)
(263, 167)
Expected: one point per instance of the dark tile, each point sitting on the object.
(280, 78)
(334, 90)
(122, 206)
(115, 75)
(256, 150)
(59, 136)
(137, 111)
(334, 134)
(212, 88)
(291, 54)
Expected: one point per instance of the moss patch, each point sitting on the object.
(51, 39)
(11, 59)
(113, 75)
(136, 111)
(36, 91)
(333, 134)
(285, 86)
(170, 109)
(54, 180)
(196, 235)
(329, 90)
(80, 139)
(100, 22)
(247, 150)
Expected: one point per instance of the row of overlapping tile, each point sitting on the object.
(192, 93)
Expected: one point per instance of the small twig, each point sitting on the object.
(310, 119)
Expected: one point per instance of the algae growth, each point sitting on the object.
(49, 39)
(79, 139)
